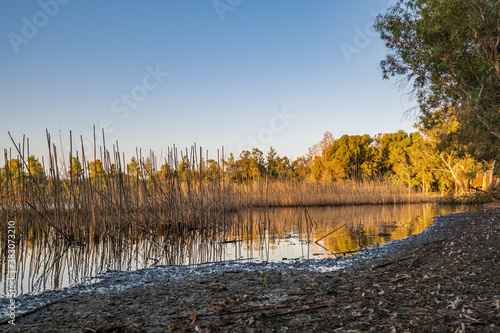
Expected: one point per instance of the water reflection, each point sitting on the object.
(258, 235)
(321, 232)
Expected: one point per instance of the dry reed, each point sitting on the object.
(104, 205)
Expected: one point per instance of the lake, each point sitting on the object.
(271, 234)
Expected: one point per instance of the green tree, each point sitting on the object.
(133, 167)
(318, 169)
(15, 169)
(347, 156)
(285, 169)
(96, 169)
(165, 171)
(301, 168)
(399, 158)
(148, 167)
(422, 159)
(184, 168)
(385, 143)
(213, 170)
(317, 155)
(75, 170)
(450, 154)
(113, 170)
(35, 168)
(231, 168)
(250, 165)
(272, 163)
(449, 52)
(258, 165)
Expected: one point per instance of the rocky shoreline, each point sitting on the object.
(446, 279)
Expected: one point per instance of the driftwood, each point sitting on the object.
(328, 250)
(349, 252)
(328, 234)
(404, 259)
(227, 311)
(485, 192)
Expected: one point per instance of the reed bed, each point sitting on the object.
(107, 200)
(307, 194)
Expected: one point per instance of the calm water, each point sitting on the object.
(261, 235)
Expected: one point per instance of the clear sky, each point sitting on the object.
(230, 73)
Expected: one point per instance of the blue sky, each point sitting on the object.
(230, 73)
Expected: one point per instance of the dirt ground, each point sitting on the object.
(444, 280)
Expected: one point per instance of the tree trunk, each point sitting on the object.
(492, 128)
(492, 171)
(458, 186)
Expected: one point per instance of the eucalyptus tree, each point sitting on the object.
(448, 53)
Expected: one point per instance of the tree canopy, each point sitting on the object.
(448, 52)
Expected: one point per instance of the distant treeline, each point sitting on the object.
(430, 160)
(443, 156)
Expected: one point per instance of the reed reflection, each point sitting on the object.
(271, 234)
